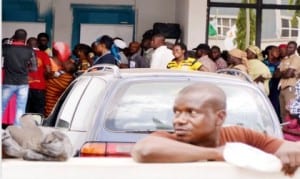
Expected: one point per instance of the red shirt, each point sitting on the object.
(37, 78)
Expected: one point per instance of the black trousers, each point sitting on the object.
(36, 101)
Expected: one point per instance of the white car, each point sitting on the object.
(126, 168)
(107, 109)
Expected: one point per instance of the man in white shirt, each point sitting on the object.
(161, 55)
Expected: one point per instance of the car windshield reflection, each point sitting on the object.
(147, 106)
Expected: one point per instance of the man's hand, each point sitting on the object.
(260, 78)
(289, 154)
(289, 73)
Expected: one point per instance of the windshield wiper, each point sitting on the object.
(149, 131)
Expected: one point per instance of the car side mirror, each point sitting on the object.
(38, 118)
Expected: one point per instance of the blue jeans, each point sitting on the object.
(21, 92)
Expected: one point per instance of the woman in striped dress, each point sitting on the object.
(63, 68)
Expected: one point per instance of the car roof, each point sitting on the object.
(146, 72)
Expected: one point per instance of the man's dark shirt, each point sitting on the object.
(18, 60)
(106, 59)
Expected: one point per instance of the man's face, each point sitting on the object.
(99, 48)
(43, 41)
(134, 47)
(194, 119)
(232, 60)
(275, 52)
(283, 52)
(155, 42)
(199, 53)
(291, 48)
(215, 53)
(250, 54)
(146, 44)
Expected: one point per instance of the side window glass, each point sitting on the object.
(68, 107)
(52, 118)
(88, 105)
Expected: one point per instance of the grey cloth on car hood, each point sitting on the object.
(32, 142)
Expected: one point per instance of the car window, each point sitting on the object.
(88, 105)
(70, 103)
(147, 106)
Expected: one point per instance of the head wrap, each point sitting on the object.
(239, 54)
(254, 49)
(120, 43)
(61, 50)
(282, 46)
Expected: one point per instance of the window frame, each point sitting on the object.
(290, 29)
(229, 17)
(259, 6)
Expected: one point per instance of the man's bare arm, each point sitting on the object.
(159, 149)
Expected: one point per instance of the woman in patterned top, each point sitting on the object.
(62, 78)
(182, 61)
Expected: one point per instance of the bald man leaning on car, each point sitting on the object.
(199, 112)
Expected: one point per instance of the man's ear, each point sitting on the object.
(221, 116)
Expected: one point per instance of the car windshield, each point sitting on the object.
(147, 106)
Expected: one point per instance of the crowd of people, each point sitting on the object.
(35, 74)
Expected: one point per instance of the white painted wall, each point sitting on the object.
(63, 15)
(151, 11)
(197, 22)
(32, 28)
(191, 15)
(182, 11)
(147, 12)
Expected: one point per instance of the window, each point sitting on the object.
(225, 21)
(68, 103)
(144, 106)
(286, 28)
(88, 106)
(270, 21)
(224, 24)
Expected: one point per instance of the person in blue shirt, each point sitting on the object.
(273, 61)
(103, 47)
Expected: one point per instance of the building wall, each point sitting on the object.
(191, 14)
(147, 12)
(151, 11)
(182, 17)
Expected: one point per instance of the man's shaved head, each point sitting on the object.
(207, 92)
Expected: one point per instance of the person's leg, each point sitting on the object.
(38, 101)
(286, 95)
(7, 92)
(290, 95)
(30, 100)
(282, 104)
(22, 95)
(274, 98)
